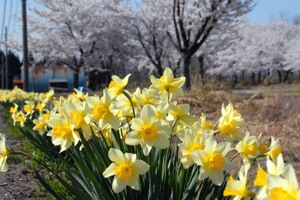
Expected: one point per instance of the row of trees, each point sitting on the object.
(261, 50)
(210, 35)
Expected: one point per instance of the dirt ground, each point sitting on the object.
(269, 114)
(266, 114)
(18, 183)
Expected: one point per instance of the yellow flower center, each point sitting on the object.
(262, 148)
(4, 153)
(21, 118)
(276, 152)
(61, 131)
(112, 84)
(261, 178)
(249, 150)
(124, 172)
(159, 115)
(27, 108)
(118, 88)
(196, 146)
(279, 194)
(228, 129)
(77, 118)
(40, 126)
(39, 107)
(148, 132)
(215, 161)
(167, 87)
(12, 110)
(206, 125)
(46, 116)
(100, 112)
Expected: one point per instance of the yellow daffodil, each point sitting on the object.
(145, 97)
(148, 131)
(40, 106)
(261, 177)
(190, 143)
(274, 168)
(248, 147)
(3, 154)
(19, 117)
(48, 96)
(14, 109)
(77, 95)
(102, 111)
(117, 85)
(29, 108)
(57, 104)
(274, 149)
(122, 107)
(77, 112)
(62, 132)
(180, 114)
(238, 188)
(213, 161)
(167, 83)
(205, 126)
(285, 187)
(230, 122)
(41, 123)
(125, 169)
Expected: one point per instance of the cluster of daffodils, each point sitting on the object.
(151, 118)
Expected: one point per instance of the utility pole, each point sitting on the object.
(2, 72)
(6, 60)
(25, 48)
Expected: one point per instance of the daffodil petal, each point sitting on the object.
(110, 171)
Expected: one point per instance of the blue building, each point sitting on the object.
(40, 76)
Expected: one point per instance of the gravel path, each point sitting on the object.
(18, 182)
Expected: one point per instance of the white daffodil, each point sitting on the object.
(125, 169)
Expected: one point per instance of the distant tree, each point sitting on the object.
(296, 20)
(70, 32)
(260, 49)
(148, 27)
(194, 21)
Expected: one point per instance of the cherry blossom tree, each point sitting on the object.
(260, 49)
(194, 21)
(70, 32)
(148, 29)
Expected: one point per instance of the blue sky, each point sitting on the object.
(264, 11)
(267, 10)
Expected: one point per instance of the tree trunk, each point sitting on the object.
(186, 72)
(286, 77)
(253, 78)
(201, 69)
(159, 69)
(279, 76)
(76, 79)
(259, 77)
(234, 81)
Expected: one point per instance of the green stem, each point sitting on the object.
(130, 100)
(31, 157)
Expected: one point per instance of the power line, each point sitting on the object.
(16, 11)
(10, 14)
